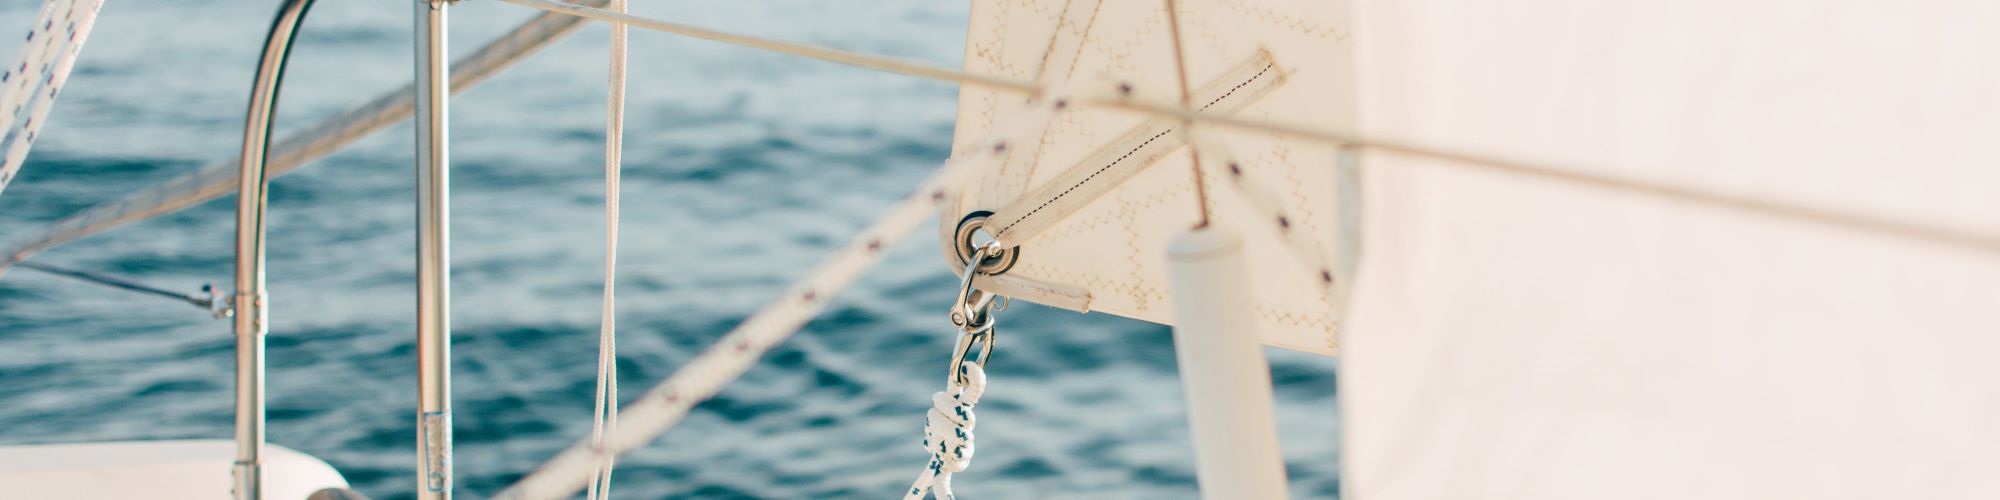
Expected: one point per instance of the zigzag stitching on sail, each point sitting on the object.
(1281, 155)
(1090, 280)
(1260, 62)
(1294, 318)
(1099, 218)
(1057, 64)
(1273, 18)
(1133, 251)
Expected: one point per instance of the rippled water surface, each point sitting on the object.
(742, 169)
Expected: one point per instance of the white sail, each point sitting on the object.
(1101, 246)
(1516, 338)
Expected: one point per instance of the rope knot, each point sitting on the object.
(948, 431)
(948, 426)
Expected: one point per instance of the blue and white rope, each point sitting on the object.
(28, 87)
(948, 433)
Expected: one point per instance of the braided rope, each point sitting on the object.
(948, 433)
(28, 88)
(702, 377)
(606, 411)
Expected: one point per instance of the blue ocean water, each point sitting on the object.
(742, 170)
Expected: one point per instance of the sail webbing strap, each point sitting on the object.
(28, 87)
(948, 433)
(605, 418)
(219, 178)
(1114, 163)
(667, 402)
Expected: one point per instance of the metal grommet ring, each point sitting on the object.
(967, 244)
(973, 305)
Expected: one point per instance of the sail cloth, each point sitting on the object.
(1513, 338)
(1093, 204)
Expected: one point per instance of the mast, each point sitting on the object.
(433, 82)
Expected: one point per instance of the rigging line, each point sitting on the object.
(1187, 102)
(219, 178)
(1984, 242)
(1855, 221)
(216, 179)
(606, 408)
(206, 303)
(794, 48)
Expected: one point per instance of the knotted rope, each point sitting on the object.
(948, 433)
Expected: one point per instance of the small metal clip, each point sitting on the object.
(972, 305)
(986, 339)
(972, 313)
(218, 305)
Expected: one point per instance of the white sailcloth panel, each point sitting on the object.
(1514, 338)
(1107, 254)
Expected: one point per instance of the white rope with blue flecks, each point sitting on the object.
(948, 433)
(29, 86)
(605, 418)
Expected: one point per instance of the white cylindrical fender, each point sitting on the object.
(1224, 377)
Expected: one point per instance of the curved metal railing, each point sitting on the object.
(249, 300)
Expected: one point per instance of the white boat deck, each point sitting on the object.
(154, 470)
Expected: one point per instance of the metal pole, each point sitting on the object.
(433, 84)
(1223, 372)
(249, 301)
